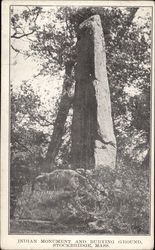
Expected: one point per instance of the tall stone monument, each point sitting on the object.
(93, 139)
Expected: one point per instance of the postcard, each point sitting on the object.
(77, 127)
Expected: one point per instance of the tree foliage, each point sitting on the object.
(51, 35)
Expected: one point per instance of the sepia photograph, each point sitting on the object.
(80, 122)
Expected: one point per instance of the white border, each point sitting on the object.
(11, 241)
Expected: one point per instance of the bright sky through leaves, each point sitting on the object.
(23, 69)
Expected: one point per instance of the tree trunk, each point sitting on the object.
(58, 132)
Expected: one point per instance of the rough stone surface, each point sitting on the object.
(62, 180)
(93, 139)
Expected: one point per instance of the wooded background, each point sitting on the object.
(43, 40)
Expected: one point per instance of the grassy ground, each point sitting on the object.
(43, 227)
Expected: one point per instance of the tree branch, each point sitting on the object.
(22, 145)
(39, 120)
(23, 35)
(17, 50)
